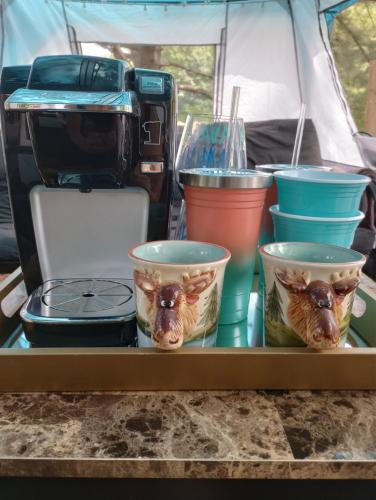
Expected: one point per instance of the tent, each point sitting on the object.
(277, 51)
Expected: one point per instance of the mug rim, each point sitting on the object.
(222, 260)
(352, 263)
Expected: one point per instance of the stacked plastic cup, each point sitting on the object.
(267, 231)
(318, 206)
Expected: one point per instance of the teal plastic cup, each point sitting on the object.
(266, 230)
(316, 193)
(333, 231)
(233, 335)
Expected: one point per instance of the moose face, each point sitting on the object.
(172, 310)
(168, 327)
(315, 308)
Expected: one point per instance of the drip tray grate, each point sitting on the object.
(86, 296)
(81, 299)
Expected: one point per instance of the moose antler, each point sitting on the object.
(346, 281)
(346, 286)
(348, 273)
(294, 281)
(198, 281)
(148, 282)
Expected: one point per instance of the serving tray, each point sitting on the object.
(24, 369)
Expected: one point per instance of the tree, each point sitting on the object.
(193, 69)
(273, 305)
(354, 46)
(209, 318)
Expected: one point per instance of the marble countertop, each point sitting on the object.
(242, 434)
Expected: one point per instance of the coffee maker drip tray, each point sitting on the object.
(81, 312)
(86, 298)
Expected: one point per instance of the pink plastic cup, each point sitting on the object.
(225, 207)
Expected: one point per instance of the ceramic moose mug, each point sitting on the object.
(309, 292)
(178, 292)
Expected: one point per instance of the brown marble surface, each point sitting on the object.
(246, 434)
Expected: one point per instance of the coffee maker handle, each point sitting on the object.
(57, 100)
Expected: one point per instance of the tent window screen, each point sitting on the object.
(193, 67)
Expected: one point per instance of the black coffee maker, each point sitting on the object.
(102, 135)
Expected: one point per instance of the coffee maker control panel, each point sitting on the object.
(155, 94)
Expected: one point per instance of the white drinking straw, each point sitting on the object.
(230, 146)
(181, 223)
(299, 136)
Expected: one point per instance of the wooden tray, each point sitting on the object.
(91, 369)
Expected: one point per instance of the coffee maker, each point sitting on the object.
(103, 140)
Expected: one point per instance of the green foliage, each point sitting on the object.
(354, 44)
(193, 70)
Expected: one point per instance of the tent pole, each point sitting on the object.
(2, 31)
(297, 62)
(371, 99)
(75, 49)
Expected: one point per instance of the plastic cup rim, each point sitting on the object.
(227, 179)
(273, 168)
(358, 178)
(274, 210)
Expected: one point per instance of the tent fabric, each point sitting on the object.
(195, 25)
(260, 58)
(272, 142)
(322, 90)
(32, 28)
(271, 90)
(278, 51)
